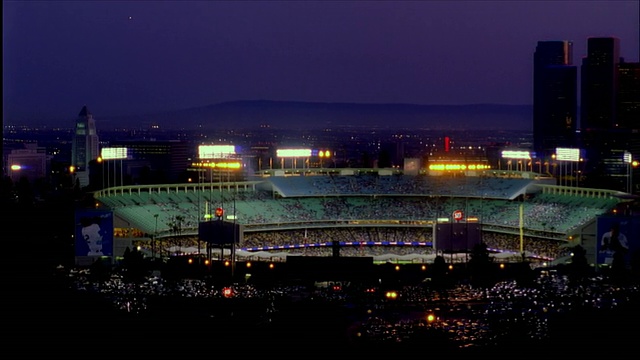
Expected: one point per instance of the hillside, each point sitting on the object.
(309, 115)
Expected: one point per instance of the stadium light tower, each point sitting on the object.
(153, 238)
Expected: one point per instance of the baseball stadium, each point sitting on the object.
(378, 214)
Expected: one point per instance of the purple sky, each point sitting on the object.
(137, 57)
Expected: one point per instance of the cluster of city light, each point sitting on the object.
(445, 167)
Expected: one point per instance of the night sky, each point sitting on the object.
(138, 57)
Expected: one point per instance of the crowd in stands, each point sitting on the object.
(377, 242)
(554, 217)
(320, 209)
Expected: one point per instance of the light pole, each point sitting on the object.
(627, 158)
(153, 239)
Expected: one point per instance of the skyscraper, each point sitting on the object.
(610, 114)
(598, 101)
(628, 95)
(554, 97)
(85, 146)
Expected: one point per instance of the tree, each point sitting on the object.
(439, 278)
(579, 266)
(481, 266)
(134, 265)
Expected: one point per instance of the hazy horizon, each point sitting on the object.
(144, 57)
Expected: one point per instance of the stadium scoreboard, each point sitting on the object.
(220, 232)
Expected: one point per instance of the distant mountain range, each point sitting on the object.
(315, 115)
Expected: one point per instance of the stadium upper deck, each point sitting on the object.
(357, 200)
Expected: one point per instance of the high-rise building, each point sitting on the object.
(85, 147)
(599, 83)
(610, 115)
(629, 116)
(555, 85)
(628, 95)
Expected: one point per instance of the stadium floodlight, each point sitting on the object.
(461, 167)
(627, 157)
(516, 154)
(292, 153)
(568, 154)
(219, 165)
(216, 151)
(113, 153)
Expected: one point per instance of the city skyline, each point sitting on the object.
(129, 58)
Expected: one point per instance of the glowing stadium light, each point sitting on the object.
(516, 154)
(113, 153)
(216, 151)
(627, 157)
(15, 167)
(567, 154)
(292, 153)
(458, 167)
(325, 153)
(218, 165)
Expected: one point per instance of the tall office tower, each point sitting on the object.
(555, 87)
(85, 147)
(609, 112)
(598, 101)
(629, 116)
(628, 96)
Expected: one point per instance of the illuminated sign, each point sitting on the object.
(515, 154)
(567, 154)
(216, 151)
(113, 153)
(290, 153)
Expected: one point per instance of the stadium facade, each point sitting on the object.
(376, 213)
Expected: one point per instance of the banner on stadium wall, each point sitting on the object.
(94, 233)
(617, 233)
